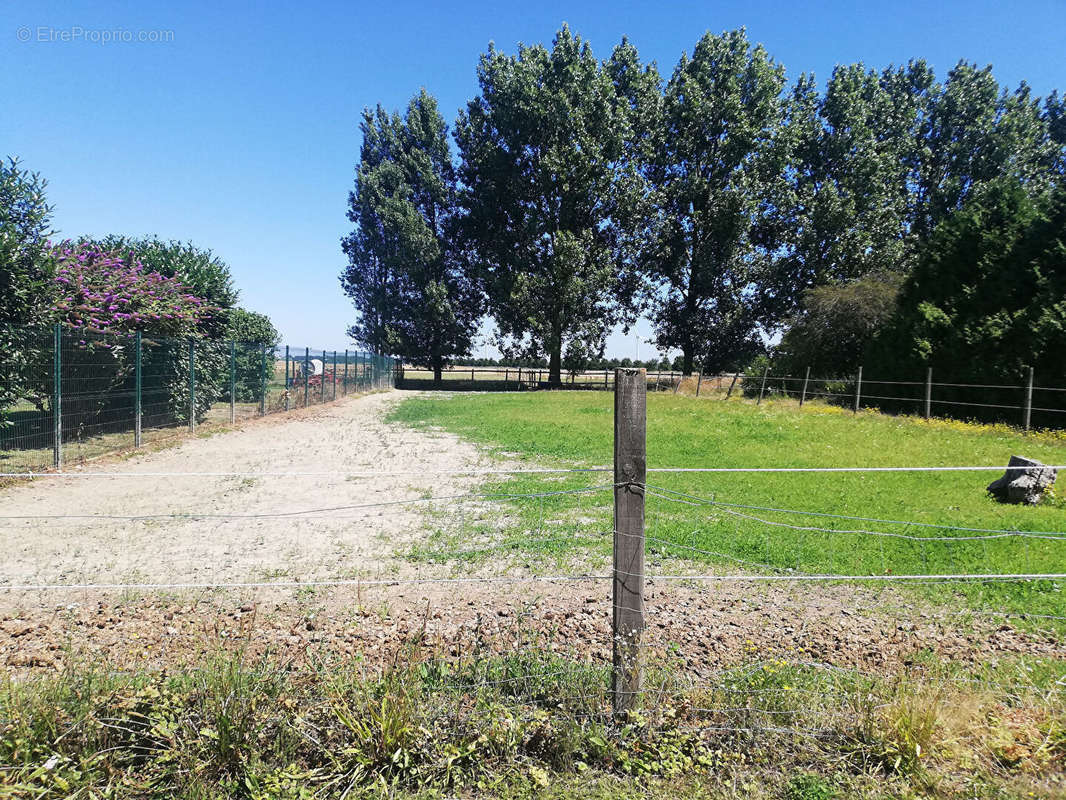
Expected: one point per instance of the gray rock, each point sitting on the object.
(1024, 481)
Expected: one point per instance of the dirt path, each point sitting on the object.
(702, 627)
(228, 543)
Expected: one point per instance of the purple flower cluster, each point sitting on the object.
(107, 291)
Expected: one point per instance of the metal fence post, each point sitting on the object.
(1029, 399)
(858, 391)
(333, 380)
(806, 379)
(307, 367)
(762, 387)
(322, 383)
(344, 385)
(232, 381)
(287, 387)
(731, 385)
(630, 472)
(928, 392)
(57, 397)
(192, 385)
(263, 381)
(137, 384)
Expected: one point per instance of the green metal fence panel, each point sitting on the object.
(68, 395)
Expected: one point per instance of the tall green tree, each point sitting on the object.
(408, 279)
(712, 170)
(542, 150)
(988, 296)
(974, 132)
(26, 278)
(841, 203)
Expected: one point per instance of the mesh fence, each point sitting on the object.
(69, 395)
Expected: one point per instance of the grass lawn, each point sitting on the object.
(575, 429)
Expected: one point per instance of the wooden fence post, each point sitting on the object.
(806, 379)
(699, 382)
(137, 389)
(57, 396)
(1029, 399)
(630, 472)
(731, 385)
(762, 388)
(858, 391)
(928, 392)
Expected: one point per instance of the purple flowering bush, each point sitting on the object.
(106, 292)
(102, 296)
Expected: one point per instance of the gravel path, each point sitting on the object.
(228, 543)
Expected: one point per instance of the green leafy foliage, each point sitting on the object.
(542, 147)
(710, 173)
(989, 295)
(251, 333)
(405, 273)
(26, 270)
(837, 323)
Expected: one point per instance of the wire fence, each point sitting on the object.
(69, 395)
(1024, 404)
(756, 619)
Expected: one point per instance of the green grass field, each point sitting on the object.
(575, 429)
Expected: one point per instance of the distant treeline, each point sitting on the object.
(888, 217)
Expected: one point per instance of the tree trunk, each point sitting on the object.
(438, 377)
(687, 359)
(555, 367)
(555, 355)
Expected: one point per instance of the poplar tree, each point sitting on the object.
(542, 147)
(711, 172)
(408, 282)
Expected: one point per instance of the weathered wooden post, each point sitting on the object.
(806, 379)
(699, 382)
(928, 392)
(57, 396)
(630, 472)
(762, 387)
(288, 381)
(858, 391)
(1029, 399)
(137, 389)
(731, 385)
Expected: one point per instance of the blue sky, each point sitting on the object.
(239, 131)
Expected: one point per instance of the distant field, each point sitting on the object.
(575, 429)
